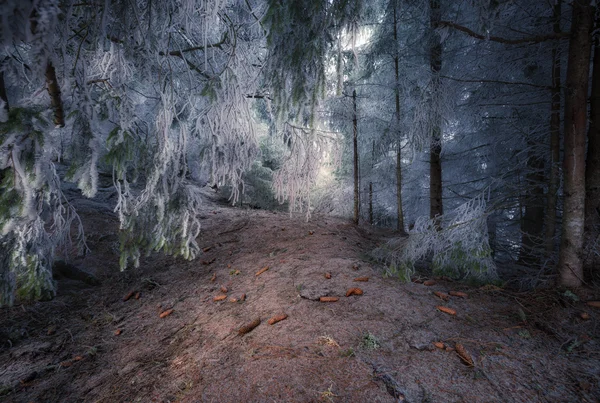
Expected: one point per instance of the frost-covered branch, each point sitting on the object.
(459, 249)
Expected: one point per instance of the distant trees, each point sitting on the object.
(507, 88)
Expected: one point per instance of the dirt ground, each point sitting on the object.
(89, 345)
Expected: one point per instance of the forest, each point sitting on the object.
(277, 153)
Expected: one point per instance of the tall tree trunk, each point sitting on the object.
(54, 92)
(3, 96)
(554, 179)
(355, 142)
(533, 218)
(570, 261)
(371, 185)
(400, 220)
(592, 170)
(435, 164)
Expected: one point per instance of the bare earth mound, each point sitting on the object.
(91, 345)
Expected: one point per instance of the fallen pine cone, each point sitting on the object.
(128, 296)
(584, 315)
(166, 313)
(327, 276)
(249, 327)
(354, 291)
(363, 279)
(439, 345)
(261, 271)
(219, 298)
(233, 299)
(243, 297)
(118, 332)
(77, 358)
(328, 299)
(464, 355)
(429, 282)
(441, 295)
(447, 310)
(458, 294)
(224, 289)
(594, 304)
(277, 318)
(138, 295)
(29, 378)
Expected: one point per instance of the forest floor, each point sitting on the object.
(89, 344)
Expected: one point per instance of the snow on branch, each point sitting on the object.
(308, 150)
(459, 249)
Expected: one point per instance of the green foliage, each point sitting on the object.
(370, 342)
(459, 261)
(460, 248)
(34, 280)
(300, 33)
(348, 353)
(122, 150)
(403, 270)
(11, 201)
(29, 190)
(170, 227)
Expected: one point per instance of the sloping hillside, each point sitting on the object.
(91, 345)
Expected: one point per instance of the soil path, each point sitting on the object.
(90, 345)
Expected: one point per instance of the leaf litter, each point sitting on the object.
(227, 351)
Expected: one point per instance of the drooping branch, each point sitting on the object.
(54, 92)
(520, 41)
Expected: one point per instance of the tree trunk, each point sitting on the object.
(554, 179)
(592, 171)
(570, 260)
(532, 222)
(3, 95)
(435, 165)
(54, 92)
(400, 219)
(371, 185)
(355, 141)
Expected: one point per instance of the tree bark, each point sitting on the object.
(435, 165)
(3, 95)
(54, 92)
(532, 222)
(355, 142)
(400, 219)
(554, 179)
(371, 185)
(570, 260)
(592, 170)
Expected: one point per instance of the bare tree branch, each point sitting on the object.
(464, 80)
(530, 39)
